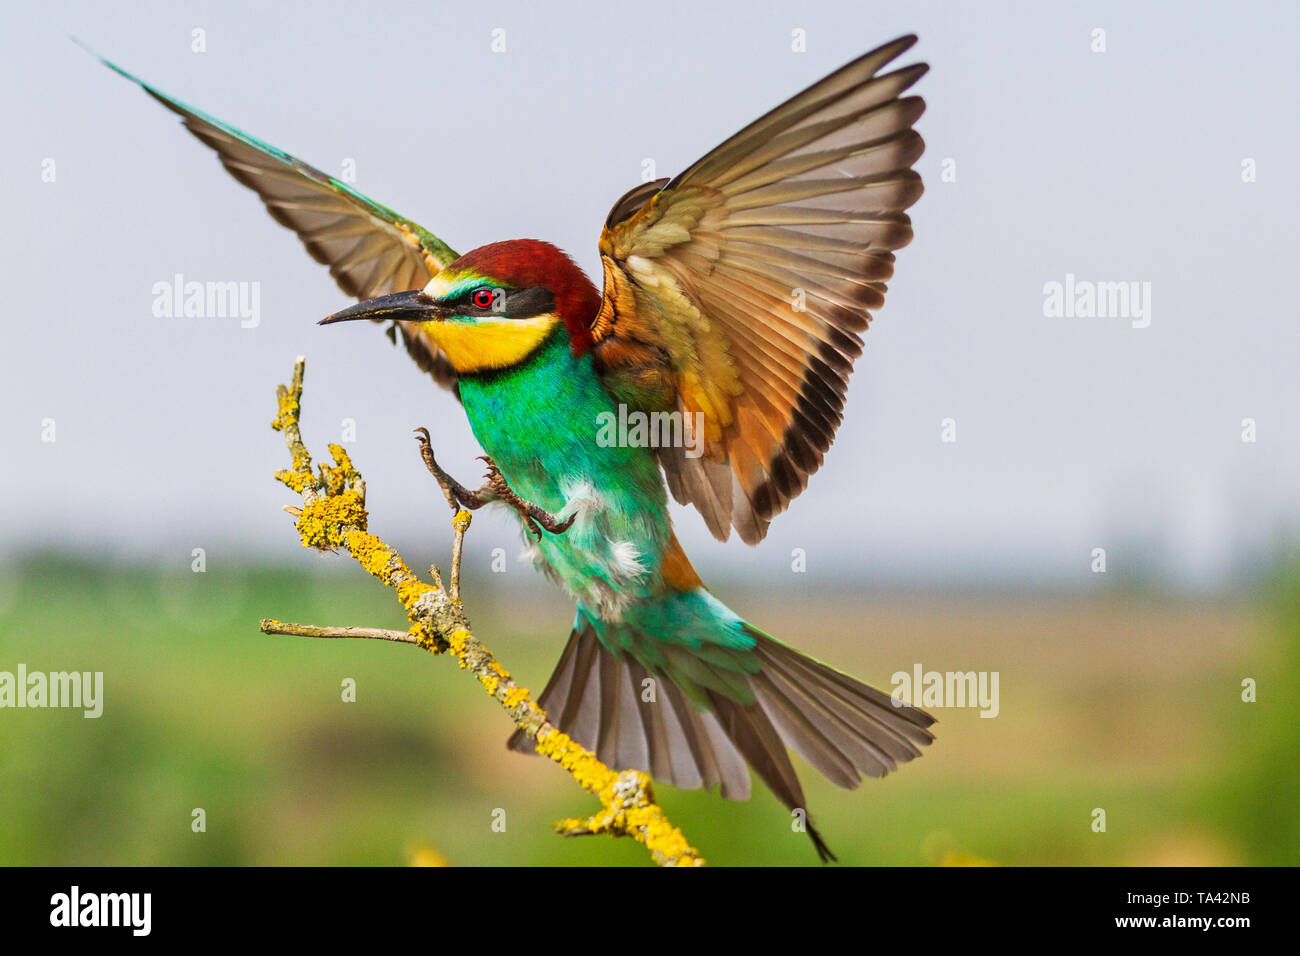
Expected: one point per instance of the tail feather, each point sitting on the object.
(579, 710)
(818, 741)
(658, 745)
(895, 727)
(842, 727)
(713, 759)
(760, 744)
(609, 681)
(596, 698)
(675, 755)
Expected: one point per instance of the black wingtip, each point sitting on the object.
(823, 851)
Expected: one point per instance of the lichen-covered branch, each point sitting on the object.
(333, 515)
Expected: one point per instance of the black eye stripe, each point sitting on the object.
(507, 303)
(466, 297)
(526, 303)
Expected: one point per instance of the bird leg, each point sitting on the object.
(496, 489)
(531, 513)
(457, 495)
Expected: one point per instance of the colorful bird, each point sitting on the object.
(734, 295)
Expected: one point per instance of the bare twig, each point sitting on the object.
(272, 626)
(459, 525)
(334, 516)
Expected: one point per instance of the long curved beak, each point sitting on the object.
(412, 306)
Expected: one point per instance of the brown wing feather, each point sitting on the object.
(370, 250)
(739, 289)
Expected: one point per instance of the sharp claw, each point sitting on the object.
(535, 518)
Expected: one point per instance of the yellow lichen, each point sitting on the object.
(457, 640)
(428, 639)
(410, 590)
(629, 810)
(294, 480)
(662, 837)
(592, 775)
(515, 697)
(372, 554)
(324, 520)
(341, 458)
(287, 411)
(335, 477)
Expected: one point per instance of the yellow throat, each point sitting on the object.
(486, 344)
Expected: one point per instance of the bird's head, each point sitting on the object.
(492, 308)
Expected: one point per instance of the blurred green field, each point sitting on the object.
(1130, 703)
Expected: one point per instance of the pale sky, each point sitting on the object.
(1072, 433)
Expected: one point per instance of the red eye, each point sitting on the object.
(483, 298)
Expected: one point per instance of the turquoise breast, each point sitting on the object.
(539, 421)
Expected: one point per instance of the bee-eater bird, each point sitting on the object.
(734, 295)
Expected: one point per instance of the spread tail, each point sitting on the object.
(844, 728)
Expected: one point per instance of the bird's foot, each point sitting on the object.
(533, 515)
(457, 495)
(496, 489)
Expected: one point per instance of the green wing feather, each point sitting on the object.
(370, 250)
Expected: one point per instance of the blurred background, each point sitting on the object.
(1159, 150)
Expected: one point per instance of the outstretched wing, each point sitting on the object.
(370, 250)
(736, 291)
